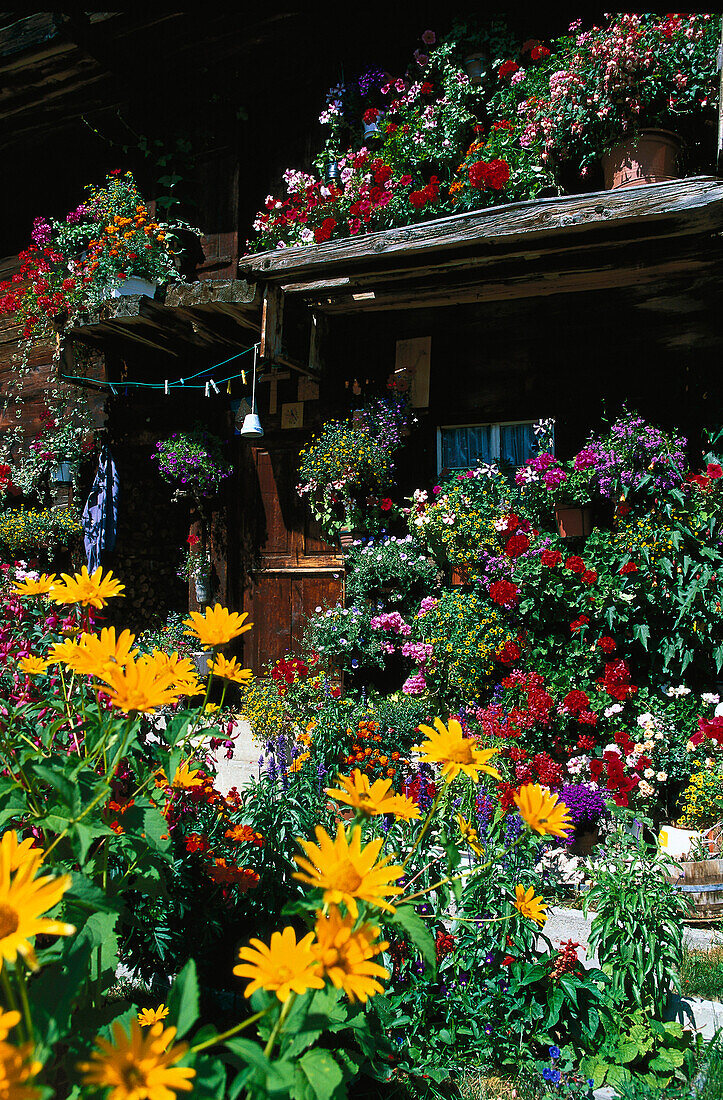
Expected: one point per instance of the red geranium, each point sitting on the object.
(575, 564)
(493, 173)
(324, 231)
(386, 504)
(517, 545)
(509, 653)
(507, 68)
(629, 567)
(589, 576)
(578, 624)
(575, 701)
(551, 558)
(504, 593)
(607, 644)
(371, 115)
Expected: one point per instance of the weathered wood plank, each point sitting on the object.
(495, 226)
(272, 323)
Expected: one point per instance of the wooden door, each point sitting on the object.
(288, 570)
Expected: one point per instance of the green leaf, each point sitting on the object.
(322, 1072)
(183, 999)
(407, 918)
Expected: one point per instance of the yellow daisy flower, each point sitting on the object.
(231, 670)
(530, 905)
(33, 666)
(149, 1016)
(140, 1065)
(217, 626)
(346, 871)
(372, 799)
(24, 898)
(17, 1068)
(186, 777)
(284, 967)
(8, 1020)
(470, 835)
(40, 587)
(89, 590)
(447, 745)
(143, 685)
(543, 811)
(345, 954)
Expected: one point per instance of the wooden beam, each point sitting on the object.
(689, 205)
(317, 340)
(272, 323)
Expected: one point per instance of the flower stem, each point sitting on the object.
(232, 1031)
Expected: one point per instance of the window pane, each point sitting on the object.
(517, 444)
(463, 448)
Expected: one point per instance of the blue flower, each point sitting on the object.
(555, 1076)
(554, 1052)
(547, 1073)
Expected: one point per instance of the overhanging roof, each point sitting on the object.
(598, 240)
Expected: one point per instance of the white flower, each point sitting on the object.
(710, 698)
(645, 789)
(645, 720)
(675, 693)
(612, 748)
(627, 596)
(614, 709)
(661, 777)
(648, 773)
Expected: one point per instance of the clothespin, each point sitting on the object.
(206, 391)
(165, 387)
(214, 386)
(113, 390)
(243, 377)
(228, 386)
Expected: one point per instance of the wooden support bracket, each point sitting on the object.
(272, 323)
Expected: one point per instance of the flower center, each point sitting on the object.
(9, 920)
(462, 752)
(347, 878)
(283, 973)
(131, 1074)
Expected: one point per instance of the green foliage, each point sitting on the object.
(395, 571)
(26, 531)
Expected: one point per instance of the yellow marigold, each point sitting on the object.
(372, 799)
(298, 763)
(347, 872)
(88, 590)
(447, 745)
(149, 1016)
(182, 671)
(33, 666)
(543, 811)
(143, 685)
(217, 626)
(40, 587)
(530, 905)
(345, 953)
(140, 1065)
(283, 967)
(469, 835)
(24, 898)
(90, 653)
(231, 670)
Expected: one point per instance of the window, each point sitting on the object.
(508, 445)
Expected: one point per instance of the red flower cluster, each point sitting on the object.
(428, 194)
(492, 173)
(577, 624)
(445, 945)
(616, 681)
(575, 701)
(550, 558)
(509, 653)
(616, 781)
(628, 568)
(540, 769)
(516, 546)
(507, 68)
(607, 644)
(324, 231)
(504, 593)
(287, 671)
(575, 564)
(567, 961)
(589, 576)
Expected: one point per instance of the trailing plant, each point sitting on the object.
(193, 463)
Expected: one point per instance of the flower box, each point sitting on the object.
(649, 158)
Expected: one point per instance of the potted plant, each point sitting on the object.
(627, 91)
(350, 461)
(196, 568)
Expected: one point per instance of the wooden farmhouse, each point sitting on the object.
(564, 307)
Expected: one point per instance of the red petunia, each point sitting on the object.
(517, 545)
(575, 564)
(714, 471)
(551, 558)
(504, 593)
(324, 231)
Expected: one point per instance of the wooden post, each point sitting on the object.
(272, 323)
(719, 158)
(317, 340)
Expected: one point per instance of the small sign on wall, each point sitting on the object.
(292, 414)
(412, 364)
(308, 389)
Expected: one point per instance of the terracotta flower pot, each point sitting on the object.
(649, 158)
(573, 522)
(346, 538)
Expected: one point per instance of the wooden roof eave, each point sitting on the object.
(434, 262)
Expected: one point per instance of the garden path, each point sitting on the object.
(244, 762)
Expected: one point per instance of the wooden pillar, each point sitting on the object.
(272, 323)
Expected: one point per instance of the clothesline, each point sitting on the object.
(179, 383)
